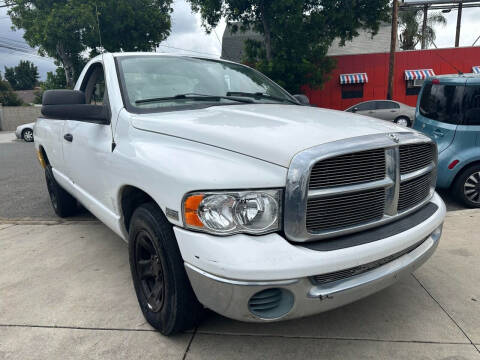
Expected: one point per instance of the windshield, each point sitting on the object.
(165, 83)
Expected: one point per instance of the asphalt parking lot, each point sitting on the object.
(66, 293)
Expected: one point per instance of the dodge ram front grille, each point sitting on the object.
(338, 211)
(415, 157)
(348, 169)
(355, 184)
(414, 191)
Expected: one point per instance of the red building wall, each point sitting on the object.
(376, 67)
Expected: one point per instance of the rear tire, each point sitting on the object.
(466, 187)
(403, 121)
(27, 135)
(163, 290)
(63, 203)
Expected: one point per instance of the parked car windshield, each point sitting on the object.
(442, 102)
(156, 83)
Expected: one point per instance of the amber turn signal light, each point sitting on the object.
(190, 208)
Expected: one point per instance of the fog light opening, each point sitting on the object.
(271, 303)
(437, 233)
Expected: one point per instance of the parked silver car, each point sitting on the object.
(399, 113)
(25, 132)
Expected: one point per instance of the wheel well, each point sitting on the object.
(464, 167)
(44, 155)
(26, 130)
(132, 197)
(402, 117)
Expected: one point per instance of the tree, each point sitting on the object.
(7, 96)
(24, 76)
(411, 24)
(65, 30)
(297, 33)
(54, 81)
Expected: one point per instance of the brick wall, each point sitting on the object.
(13, 116)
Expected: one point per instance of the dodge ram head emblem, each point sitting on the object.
(394, 137)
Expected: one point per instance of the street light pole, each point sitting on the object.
(459, 22)
(393, 46)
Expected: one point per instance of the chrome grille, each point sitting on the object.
(415, 157)
(354, 184)
(348, 169)
(414, 191)
(328, 213)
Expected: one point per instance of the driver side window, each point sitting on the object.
(94, 85)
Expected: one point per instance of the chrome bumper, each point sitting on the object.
(231, 297)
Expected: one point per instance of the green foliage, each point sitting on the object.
(66, 29)
(411, 27)
(297, 33)
(24, 76)
(54, 81)
(7, 96)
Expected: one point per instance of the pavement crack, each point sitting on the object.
(446, 312)
(212, 333)
(190, 343)
(74, 327)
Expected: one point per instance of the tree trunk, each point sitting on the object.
(267, 32)
(67, 65)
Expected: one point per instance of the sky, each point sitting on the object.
(187, 36)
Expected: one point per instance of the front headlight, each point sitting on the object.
(230, 212)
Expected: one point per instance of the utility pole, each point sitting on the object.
(424, 26)
(459, 22)
(393, 47)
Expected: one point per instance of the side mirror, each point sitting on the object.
(355, 109)
(302, 99)
(70, 105)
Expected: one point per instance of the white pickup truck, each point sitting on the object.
(231, 193)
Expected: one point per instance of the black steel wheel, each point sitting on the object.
(63, 203)
(149, 271)
(161, 283)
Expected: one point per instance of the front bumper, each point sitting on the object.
(226, 272)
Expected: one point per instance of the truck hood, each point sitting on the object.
(271, 132)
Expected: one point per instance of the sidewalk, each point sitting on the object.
(66, 293)
(7, 136)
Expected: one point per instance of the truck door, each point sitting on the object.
(87, 146)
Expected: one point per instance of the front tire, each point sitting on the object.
(467, 187)
(163, 290)
(27, 135)
(63, 203)
(403, 121)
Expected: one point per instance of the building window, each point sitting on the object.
(352, 91)
(414, 86)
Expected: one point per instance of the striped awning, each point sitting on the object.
(358, 78)
(476, 69)
(418, 74)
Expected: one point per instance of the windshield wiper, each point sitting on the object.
(194, 97)
(260, 95)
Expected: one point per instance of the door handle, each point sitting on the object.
(438, 132)
(68, 137)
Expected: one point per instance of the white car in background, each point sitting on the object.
(399, 113)
(25, 132)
